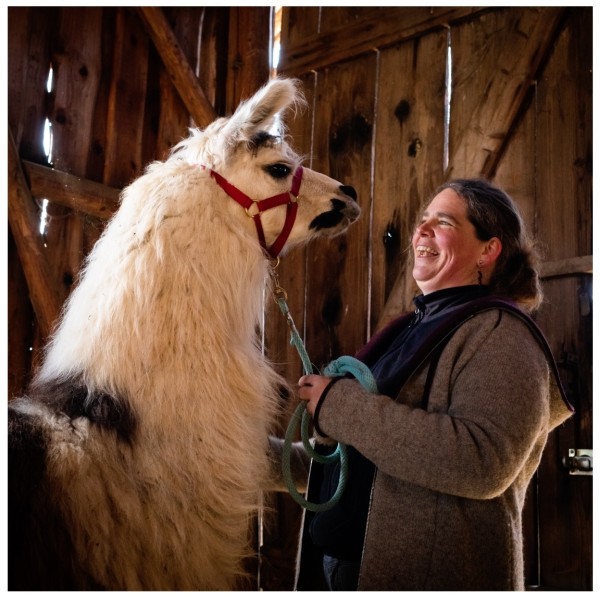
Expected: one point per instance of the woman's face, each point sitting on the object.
(445, 247)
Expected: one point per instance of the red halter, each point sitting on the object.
(255, 208)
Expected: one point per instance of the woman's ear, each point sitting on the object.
(491, 251)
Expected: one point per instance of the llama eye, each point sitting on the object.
(278, 170)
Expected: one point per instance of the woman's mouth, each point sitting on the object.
(422, 251)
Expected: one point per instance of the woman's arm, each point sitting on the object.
(488, 408)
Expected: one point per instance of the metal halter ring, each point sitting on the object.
(254, 205)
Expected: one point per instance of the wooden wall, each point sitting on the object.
(520, 113)
(128, 82)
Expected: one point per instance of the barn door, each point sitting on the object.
(400, 100)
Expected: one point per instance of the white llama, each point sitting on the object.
(137, 455)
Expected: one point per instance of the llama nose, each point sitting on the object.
(338, 205)
(349, 191)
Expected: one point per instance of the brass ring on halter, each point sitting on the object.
(251, 206)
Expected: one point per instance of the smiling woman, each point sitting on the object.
(441, 456)
(447, 251)
(513, 272)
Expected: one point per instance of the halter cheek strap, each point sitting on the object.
(255, 208)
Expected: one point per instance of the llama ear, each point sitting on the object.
(259, 112)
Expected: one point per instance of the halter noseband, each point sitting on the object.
(254, 208)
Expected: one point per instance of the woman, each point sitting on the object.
(441, 458)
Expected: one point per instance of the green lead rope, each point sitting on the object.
(339, 367)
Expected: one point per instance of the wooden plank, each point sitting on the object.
(24, 223)
(338, 269)
(73, 192)
(76, 80)
(77, 72)
(20, 316)
(564, 195)
(566, 504)
(29, 59)
(409, 156)
(382, 28)
(28, 66)
(249, 51)
(508, 47)
(125, 121)
(565, 144)
(516, 170)
(567, 267)
(177, 66)
(18, 34)
(96, 155)
(213, 56)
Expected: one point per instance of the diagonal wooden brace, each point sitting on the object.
(24, 223)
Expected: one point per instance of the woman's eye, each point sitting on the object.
(278, 170)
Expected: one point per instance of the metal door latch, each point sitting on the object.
(579, 462)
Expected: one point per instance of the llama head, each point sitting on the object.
(249, 152)
(180, 262)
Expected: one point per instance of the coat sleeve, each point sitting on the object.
(488, 411)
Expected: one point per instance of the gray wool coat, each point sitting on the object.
(450, 482)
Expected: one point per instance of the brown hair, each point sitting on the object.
(494, 214)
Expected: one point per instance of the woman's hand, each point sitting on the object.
(310, 389)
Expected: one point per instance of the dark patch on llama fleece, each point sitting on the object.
(263, 139)
(76, 400)
(41, 554)
(27, 447)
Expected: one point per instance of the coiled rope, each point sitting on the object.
(339, 367)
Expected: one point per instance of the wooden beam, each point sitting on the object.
(479, 149)
(580, 265)
(24, 223)
(383, 28)
(62, 188)
(177, 66)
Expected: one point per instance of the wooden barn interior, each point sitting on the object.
(400, 99)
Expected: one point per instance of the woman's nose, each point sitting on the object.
(423, 229)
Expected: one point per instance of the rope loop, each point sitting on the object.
(339, 367)
(350, 365)
(340, 453)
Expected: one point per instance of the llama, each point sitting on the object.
(138, 453)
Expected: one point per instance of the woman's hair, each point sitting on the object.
(494, 214)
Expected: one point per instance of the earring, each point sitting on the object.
(479, 273)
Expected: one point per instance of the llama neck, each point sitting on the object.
(154, 314)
